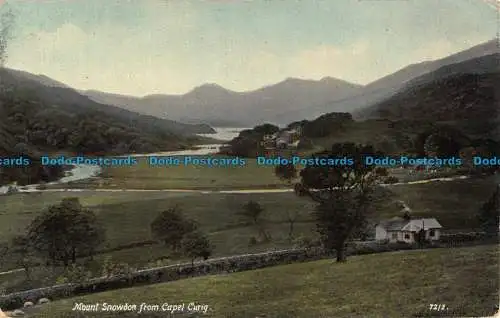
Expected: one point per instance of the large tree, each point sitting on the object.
(253, 213)
(195, 244)
(248, 142)
(344, 194)
(286, 173)
(66, 231)
(441, 145)
(170, 226)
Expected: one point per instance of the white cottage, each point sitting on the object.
(405, 230)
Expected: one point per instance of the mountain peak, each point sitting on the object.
(324, 80)
(296, 80)
(327, 78)
(209, 90)
(210, 87)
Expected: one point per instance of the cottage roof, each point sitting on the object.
(417, 224)
(413, 225)
(394, 224)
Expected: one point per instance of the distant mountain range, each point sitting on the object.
(290, 100)
(287, 101)
(57, 92)
(212, 103)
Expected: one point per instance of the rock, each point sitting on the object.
(28, 304)
(42, 301)
(17, 313)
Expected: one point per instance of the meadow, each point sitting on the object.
(127, 215)
(397, 284)
(145, 176)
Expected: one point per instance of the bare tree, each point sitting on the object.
(253, 212)
(291, 216)
(6, 24)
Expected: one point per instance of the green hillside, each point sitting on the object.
(467, 101)
(37, 119)
(464, 106)
(400, 284)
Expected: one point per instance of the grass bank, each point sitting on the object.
(400, 284)
(144, 176)
(127, 216)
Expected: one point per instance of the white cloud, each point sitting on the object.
(110, 57)
(43, 51)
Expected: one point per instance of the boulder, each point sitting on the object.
(17, 313)
(42, 301)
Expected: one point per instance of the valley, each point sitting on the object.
(197, 212)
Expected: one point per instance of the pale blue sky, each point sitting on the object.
(139, 47)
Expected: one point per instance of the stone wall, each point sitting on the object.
(224, 265)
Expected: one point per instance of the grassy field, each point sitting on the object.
(455, 204)
(401, 284)
(16, 211)
(144, 176)
(127, 216)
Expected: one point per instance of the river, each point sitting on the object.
(82, 172)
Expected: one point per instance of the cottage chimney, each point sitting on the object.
(406, 215)
(406, 211)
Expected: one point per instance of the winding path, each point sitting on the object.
(239, 191)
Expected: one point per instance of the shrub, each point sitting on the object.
(391, 180)
(306, 242)
(74, 274)
(458, 238)
(252, 241)
(109, 268)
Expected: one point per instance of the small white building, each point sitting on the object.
(404, 230)
(282, 143)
